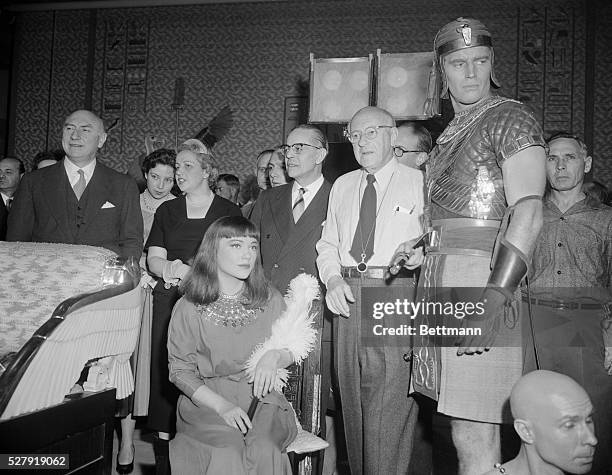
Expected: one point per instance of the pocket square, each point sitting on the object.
(108, 204)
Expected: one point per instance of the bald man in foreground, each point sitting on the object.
(79, 200)
(553, 416)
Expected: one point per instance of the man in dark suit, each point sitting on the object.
(290, 218)
(79, 200)
(11, 172)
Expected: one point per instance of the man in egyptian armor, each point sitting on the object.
(484, 181)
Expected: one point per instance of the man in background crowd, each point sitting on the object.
(570, 280)
(79, 200)
(289, 218)
(11, 172)
(47, 158)
(261, 168)
(228, 187)
(413, 144)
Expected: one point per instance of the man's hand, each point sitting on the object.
(338, 295)
(405, 251)
(265, 373)
(488, 323)
(606, 325)
(608, 360)
(234, 416)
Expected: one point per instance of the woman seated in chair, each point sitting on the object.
(228, 308)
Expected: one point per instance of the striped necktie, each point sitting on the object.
(79, 186)
(298, 206)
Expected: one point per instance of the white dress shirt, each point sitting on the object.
(5, 198)
(73, 171)
(400, 200)
(309, 193)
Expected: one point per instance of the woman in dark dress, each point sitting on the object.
(178, 228)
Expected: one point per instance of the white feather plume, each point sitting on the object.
(294, 330)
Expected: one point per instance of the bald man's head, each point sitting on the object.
(83, 134)
(373, 134)
(553, 417)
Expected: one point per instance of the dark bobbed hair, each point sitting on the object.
(201, 285)
(161, 156)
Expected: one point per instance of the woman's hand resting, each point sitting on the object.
(234, 416)
(265, 373)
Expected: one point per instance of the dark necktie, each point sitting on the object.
(363, 241)
(298, 207)
(9, 203)
(79, 186)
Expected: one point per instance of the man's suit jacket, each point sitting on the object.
(288, 249)
(3, 219)
(110, 216)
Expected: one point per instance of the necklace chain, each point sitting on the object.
(148, 205)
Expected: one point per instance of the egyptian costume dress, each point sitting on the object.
(210, 344)
(466, 209)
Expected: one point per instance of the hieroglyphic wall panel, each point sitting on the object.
(558, 81)
(602, 130)
(531, 59)
(551, 48)
(579, 67)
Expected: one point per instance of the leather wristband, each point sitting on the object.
(509, 268)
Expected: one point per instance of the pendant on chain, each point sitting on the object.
(362, 266)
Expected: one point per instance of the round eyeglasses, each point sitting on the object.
(399, 151)
(370, 133)
(296, 148)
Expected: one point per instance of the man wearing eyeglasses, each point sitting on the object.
(290, 217)
(485, 180)
(371, 212)
(413, 144)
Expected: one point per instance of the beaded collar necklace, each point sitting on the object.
(229, 311)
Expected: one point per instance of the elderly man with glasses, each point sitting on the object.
(372, 211)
